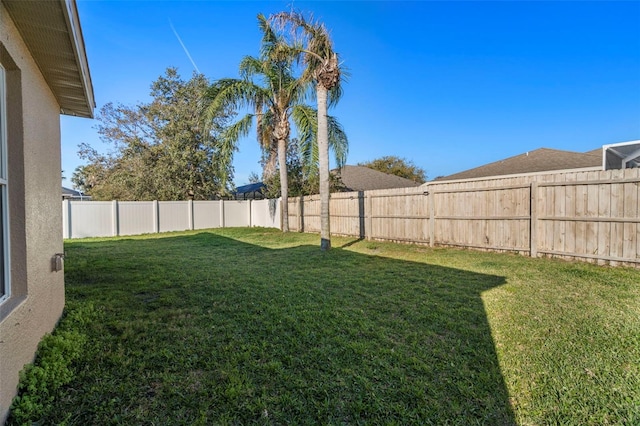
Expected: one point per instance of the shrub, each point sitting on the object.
(52, 368)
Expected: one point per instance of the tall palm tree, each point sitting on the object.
(277, 99)
(323, 68)
(271, 102)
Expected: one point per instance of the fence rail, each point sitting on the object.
(82, 219)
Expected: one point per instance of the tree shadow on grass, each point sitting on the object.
(205, 329)
(350, 243)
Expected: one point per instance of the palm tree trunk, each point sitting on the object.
(270, 164)
(284, 184)
(323, 160)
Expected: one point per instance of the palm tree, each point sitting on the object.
(323, 68)
(275, 102)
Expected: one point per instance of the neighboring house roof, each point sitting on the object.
(73, 194)
(51, 30)
(540, 160)
(252, 187)
(360, 178)
(250, 191)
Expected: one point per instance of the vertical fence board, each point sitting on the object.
(559, 197)
(570, 211)
(522, 227)
(637, 223)
(533, 222)
(136, 217)
(604, 228)
(237, 213)
(466, 199)
(541, 208)
(479, 226)
(581, 212)
(432, 220)
(173, 216)
(592, 212)
(206, 214)
(617, 211)
(549, 224)
(265, 213)
(511, 211)
(630, 211)
(91, 219)
(66, 219)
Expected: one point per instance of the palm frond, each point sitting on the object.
(306, 120)
(228, 142)
(265, 129)
(274, 47)
(250, 66)
(270, 39)
(234, 93)
(338, 141)
(235, 131)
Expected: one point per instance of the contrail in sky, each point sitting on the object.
(184, 47)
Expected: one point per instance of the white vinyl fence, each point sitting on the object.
(82, 219)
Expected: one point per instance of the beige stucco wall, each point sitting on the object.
(35, 216)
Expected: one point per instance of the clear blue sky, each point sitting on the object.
(448, 85)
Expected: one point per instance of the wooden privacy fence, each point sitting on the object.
(591, 215)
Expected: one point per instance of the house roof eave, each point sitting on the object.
(51, 30)
(494, 177)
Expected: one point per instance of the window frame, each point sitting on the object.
(5, 277)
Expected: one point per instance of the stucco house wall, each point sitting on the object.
(33, 138)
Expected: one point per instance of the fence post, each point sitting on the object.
(533, 220)
(156, 216)
(250, 213)
(362, 232)
(66, 219)
(432, 218)
(190, 213)
(368, 219)
(300, 213)
(114, 218)
(221, 213)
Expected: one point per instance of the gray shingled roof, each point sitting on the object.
(540, 160)
(360, 178)
(72, 194)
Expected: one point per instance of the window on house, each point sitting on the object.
(4, 228)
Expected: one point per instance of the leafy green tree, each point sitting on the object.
(159, 150)
(300, 181)
(275, 98)
(397, 166)
(323, 69)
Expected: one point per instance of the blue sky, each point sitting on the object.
(448, 85)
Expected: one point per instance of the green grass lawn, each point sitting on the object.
(252, 326)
